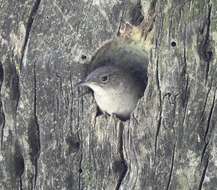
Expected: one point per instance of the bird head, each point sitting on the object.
(104, 78)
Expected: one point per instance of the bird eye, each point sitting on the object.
(104, 78)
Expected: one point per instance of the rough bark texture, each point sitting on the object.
(50, 135)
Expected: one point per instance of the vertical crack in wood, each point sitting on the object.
(21, 184)
(1, 75)
(35, 91)
(2, 125)
(206, 141)
(15, 80)
(28, 29)
(186, 100)
(207, 39)
(205, 103)
(37, 126)
(209, 118)
(204, 151)
(71, 103)
(204, 173)
(35, 112)
(157, 47)
(170, 29)
(160, 107)
(121, 154)
(171, 168)
(2, 115)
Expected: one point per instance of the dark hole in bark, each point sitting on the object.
(129, 56)
(173, 44)
(83, 57)
(80, 170)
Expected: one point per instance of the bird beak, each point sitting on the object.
(82, 83)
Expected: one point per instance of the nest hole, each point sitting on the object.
(128, 55)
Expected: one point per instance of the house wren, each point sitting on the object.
(116, 89)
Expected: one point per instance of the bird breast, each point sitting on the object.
(116, 102)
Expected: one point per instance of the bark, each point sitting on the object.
(51, 134)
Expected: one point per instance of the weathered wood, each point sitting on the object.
(50, 135)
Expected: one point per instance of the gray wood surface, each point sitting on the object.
(50, 136)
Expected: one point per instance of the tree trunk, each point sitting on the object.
(51, 136)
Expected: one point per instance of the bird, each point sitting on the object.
(115, 88)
